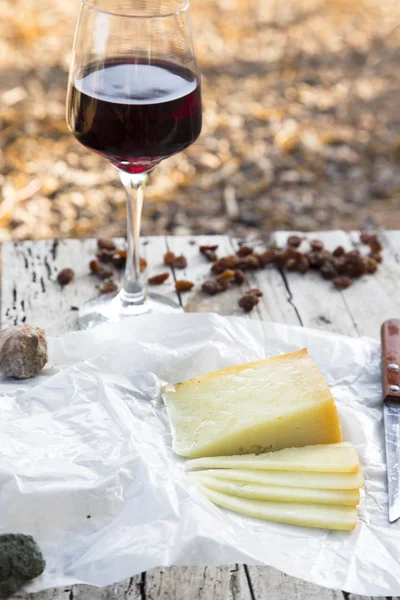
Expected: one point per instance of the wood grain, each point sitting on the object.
(271, 584)
(173, 583)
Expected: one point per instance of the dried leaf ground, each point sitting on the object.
(301, 124)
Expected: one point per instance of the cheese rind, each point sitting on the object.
(306, 515)
(270, 404)
(324, 458)
(274, 493)
(320, 481)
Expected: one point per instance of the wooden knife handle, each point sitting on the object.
(390, 336)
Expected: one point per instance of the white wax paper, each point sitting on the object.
(86, 464)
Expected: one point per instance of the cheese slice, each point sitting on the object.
(306, 515)
(277, 493)
(320, 481)
(324, 458)
(270, 404)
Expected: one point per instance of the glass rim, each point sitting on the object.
(183, 8)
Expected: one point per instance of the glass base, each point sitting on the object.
(112, 307)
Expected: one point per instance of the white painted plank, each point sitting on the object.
(270, 584)
(153, 249)
(355, 597)
(175, 583)
(319, 306)
(391, 239)
(47, 307)
(357, 310)
(131, 589)
(375, 298)
(199, 270)
(30, 292)
(274, 306)
(275, 303)
(317, 303)
(194, 583)
(200, 583)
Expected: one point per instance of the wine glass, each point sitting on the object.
(133, 97)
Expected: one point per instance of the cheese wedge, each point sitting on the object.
(306, 515)
(270, 404)
(277, 493)
(325, 458)
(320, 481)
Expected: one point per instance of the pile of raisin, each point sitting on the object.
(339, 266)
(108, 254)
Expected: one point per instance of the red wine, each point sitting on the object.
(135, 113)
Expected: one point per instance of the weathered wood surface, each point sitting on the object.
(30, 293)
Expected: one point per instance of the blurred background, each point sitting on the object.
(301, 124)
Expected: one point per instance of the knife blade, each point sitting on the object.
(390, 337)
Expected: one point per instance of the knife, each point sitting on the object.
(390, 337)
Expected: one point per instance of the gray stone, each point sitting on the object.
(23, 351)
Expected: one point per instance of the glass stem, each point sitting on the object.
(133, 291)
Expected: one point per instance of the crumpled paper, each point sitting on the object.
(86, 464)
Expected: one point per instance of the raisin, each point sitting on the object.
(291, 264)
(108, 287)
(248, 302)
(158, 279)
(327, 254)
(227, 262)
(291, 253)
(342, 282)
(230, 261)
(65, 276)
(180, 262)
(370, 264)
(227, 274)
(181, 285)
(104, 273)
(143, 264)
(340, 264)
(248, 262)
(211, 287)
(365, 236)
(224, 284)
(218, 267)
(169, 258)
(244, 251)
(294, 241)
(353, 253)
(269, 257)
(328, 271)
(119, 258)
(118, 261)
(303, 265)
(239, 277)
(354, 265)
(205, 249)
(106, 244)
(376, 256)
(105, 256)
(375, 246)
(279, 258)
(315, 259)
(316, 245)
(94, 266)
(254, 292)
(339, 251)
(210, 255)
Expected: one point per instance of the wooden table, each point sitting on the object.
(30, 294)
